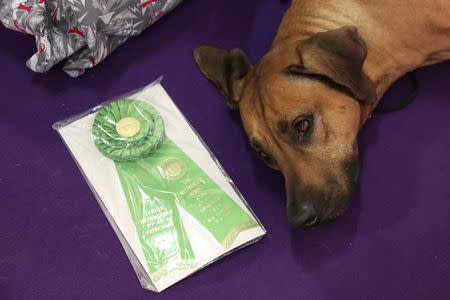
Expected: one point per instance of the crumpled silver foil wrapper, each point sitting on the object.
(83, 32)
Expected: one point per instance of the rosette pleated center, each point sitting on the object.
(127, 130)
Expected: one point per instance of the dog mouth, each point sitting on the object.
(328, 210)
(311, 206)
(315, 208)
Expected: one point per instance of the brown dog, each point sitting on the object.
(304, 102)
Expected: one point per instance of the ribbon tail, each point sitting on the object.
(173, 170)
(158, 223)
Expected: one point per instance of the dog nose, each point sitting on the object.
(303, 216)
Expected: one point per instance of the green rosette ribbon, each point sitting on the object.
(139, 141)
(156, 176)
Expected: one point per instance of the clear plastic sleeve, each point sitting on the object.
(170, 202)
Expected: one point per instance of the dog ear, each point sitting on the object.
(226, 69)
(338, 55)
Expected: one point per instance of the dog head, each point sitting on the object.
(300, 107)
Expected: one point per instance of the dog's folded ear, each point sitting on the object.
(338, 55)
(225, 68)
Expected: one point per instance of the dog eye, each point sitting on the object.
(302, 126)
(295, 70)
(266, 158)
(264, 155)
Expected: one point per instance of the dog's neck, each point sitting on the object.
(392, 50)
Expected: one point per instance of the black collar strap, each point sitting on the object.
(412, 95)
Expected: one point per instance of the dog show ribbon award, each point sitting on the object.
(182, 218)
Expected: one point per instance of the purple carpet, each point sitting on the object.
(55, 242)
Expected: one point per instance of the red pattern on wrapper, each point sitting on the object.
(17, 26)
(155, 18)
(23, 7)
(144, 4)
(77, 31)
(54, 13)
